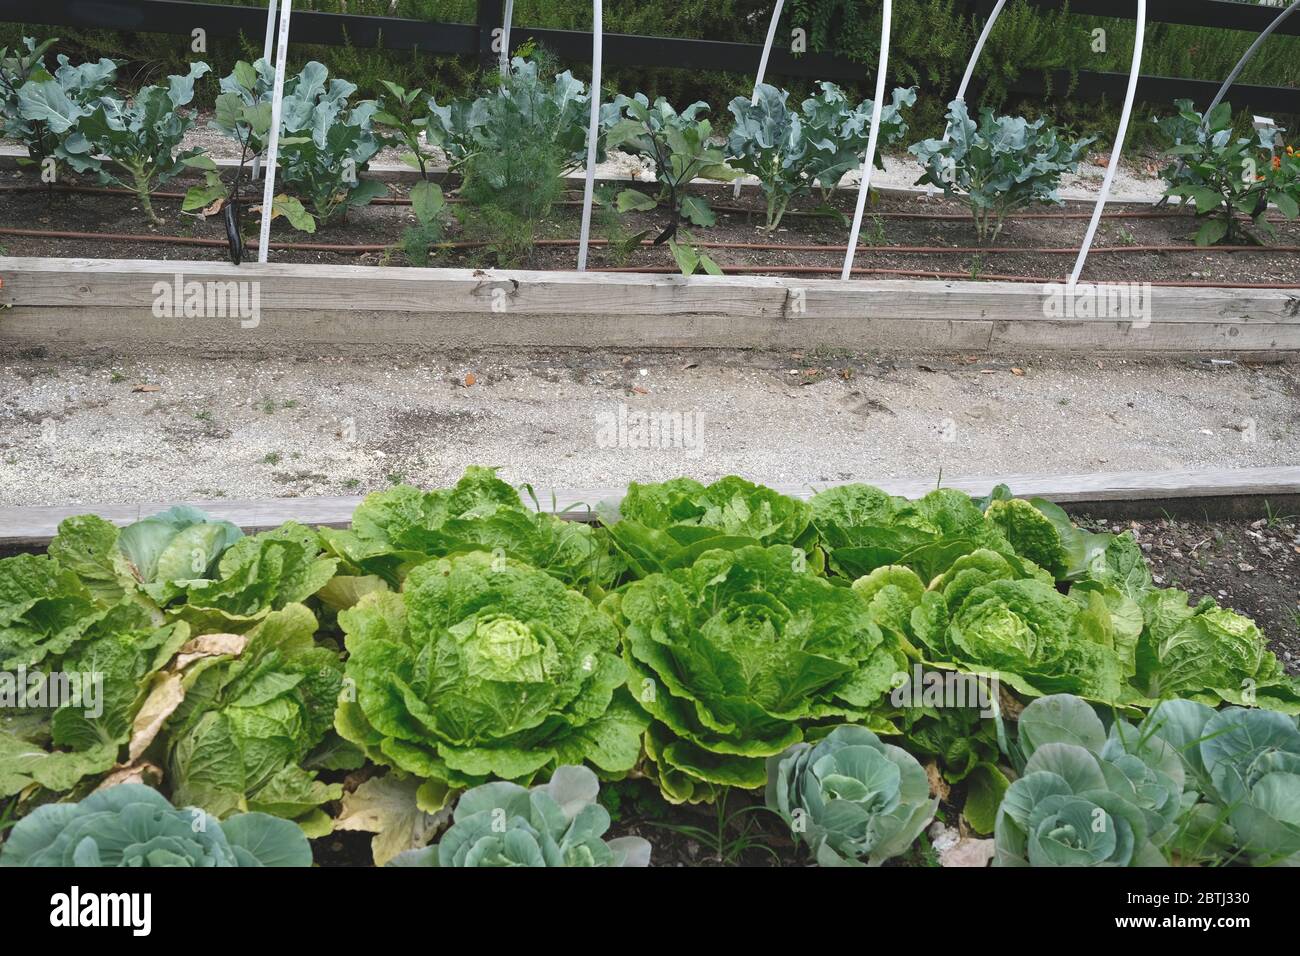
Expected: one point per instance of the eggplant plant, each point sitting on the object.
(143, 135)
(1225, 176)
(791, 150)
(243, 112)
(400, 114)
(998, 165)
(679, 145)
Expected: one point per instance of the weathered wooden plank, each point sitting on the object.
(35, 525)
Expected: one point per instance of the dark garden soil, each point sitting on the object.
(891, 225)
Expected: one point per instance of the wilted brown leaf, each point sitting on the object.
(162, 701)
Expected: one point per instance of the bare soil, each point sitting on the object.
(892, 225)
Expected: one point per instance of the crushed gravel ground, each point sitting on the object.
(118, 428)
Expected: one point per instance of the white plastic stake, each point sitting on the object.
(505, 37)
(266, 55)
(273, 150)
(767, 49)
(593, 130)
(1115, 153)
(869, 159)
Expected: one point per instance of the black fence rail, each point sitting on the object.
(460, 39)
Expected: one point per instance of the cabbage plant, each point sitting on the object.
(1087, 797)
(485, 667)
(733, 655)
(134, 825)
(558, 823)
(1246, 763)
(851, 797)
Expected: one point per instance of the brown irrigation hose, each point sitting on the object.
(740, 210)
(666, 270)
(752, 246)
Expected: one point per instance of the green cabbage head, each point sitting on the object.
(484, 667)
(558, 823)
(851, 797)
(735, 654)
(134, 825)
(1087, 797)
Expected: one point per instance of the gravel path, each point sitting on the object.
(122, 429)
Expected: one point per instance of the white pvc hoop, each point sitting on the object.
(869, 159)
(277, 104)
(1138, 40)
(974, 58)
(266, 55)
(505, 37)
(767, 50)
(593, 130)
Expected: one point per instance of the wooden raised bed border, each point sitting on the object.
(92, 304)
(33, 526)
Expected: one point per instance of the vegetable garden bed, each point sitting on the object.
(282, 602)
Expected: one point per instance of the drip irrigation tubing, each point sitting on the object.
(358, 248)
(716, 207)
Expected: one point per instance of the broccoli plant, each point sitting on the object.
(143, 135)
(998, 165)
(1224, 175)
(838, 136)
(789, 150)
(42, 111)
(678, 144)
(325, 143)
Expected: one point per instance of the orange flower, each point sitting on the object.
(1277, 162)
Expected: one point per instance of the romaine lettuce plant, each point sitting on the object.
(862, 528)
(558, 823)
(1224, 175)
(397, 529)
(133, 825)
(998, 165)
(735, 654)
(142, 135)
(241, 737)
(850, 797)
(484, 667)
(668, 524)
